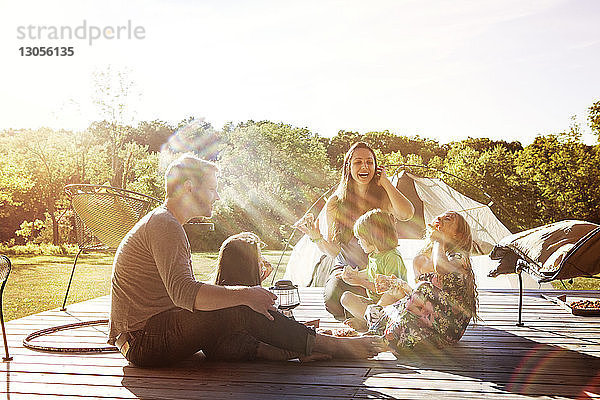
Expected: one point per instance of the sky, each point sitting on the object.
(446, 70)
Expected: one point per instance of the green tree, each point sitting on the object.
(397, 158)
(47, 160)
(152, 134)
(338, 145)
(115, 94)
(594, 118)
(567, 175)
(16, 205)
(143, 172)
(384, 141)
(483, 144)
(272, 172)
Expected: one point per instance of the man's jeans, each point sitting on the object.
(174, 335)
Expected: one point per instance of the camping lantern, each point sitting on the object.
(288, 297)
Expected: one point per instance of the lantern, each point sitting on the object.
(288, 297)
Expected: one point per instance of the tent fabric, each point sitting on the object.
(562, 250)
(438, 197)
(431, 197)
(415, 227)
(305, 257)
(302, 262)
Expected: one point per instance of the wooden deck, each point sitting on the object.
(556, 355)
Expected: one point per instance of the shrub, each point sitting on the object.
(38, 249)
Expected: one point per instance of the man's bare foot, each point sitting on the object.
(267, 352)
(350, 347)
(358, 324)
(316, 357)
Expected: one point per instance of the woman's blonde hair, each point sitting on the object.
(462, 242)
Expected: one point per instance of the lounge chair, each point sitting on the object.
(562, 250)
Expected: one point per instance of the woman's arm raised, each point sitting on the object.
(402, 208)
(311, 228)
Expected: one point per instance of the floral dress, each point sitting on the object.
(436, 313)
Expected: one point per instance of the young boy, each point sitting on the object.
(376, 234)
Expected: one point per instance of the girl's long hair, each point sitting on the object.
(238, 262)
(462, 243)
(349, 206)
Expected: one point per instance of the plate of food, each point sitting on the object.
(339, 332)
(586, 307)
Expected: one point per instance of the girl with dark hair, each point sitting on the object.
(241, 262)
(363, 186)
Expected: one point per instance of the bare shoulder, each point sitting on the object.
(332, 202)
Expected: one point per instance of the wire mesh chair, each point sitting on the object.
(4, 272)
(102, 217)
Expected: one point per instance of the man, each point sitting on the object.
(160, 314)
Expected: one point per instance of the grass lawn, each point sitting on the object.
(38, 283)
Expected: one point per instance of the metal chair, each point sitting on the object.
(4, 272)
(102, 217)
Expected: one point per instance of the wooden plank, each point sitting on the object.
(452, 383)
(555, 356)
(328, 373)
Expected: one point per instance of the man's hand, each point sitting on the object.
(215, 297)
(260, 300)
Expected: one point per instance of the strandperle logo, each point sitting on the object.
(91, 33)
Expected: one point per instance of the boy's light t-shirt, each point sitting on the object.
(385, 263)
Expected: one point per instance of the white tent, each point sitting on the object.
(308, 266)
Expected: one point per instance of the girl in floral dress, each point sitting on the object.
(439, 309)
